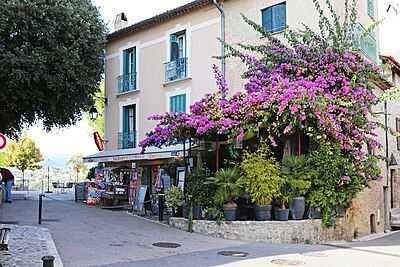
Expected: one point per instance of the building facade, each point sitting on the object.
(165, 63)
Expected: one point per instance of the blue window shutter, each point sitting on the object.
(279, 17)
(172, 107)
(183, 103)
(134, 60)
(125, 62)
(174, 47)
(267, 19)
(125, 120)
(371, 8)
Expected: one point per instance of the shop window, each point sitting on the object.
(274, 18)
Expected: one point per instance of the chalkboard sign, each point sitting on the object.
(140, 197)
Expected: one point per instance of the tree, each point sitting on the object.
(98, 124)
(51, 61)
(2, 159)
(76, 162)
(23, 154)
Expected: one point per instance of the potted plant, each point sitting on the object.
(298, 175)
(262, 179)
(227, 191)
(282, 212)
(174, 198)
(197, 193)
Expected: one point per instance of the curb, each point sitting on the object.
(52, 248)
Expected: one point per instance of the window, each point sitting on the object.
(177, 103)
(274, 18)
(127, 81)
(371, 8)
(176, 69)
(398, 132)
(178, 46)
(127, 138)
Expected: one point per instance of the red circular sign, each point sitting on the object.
(3, 141)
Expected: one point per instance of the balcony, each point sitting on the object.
(365, 43)
(126, 140)
(127, 83)
(176, 70)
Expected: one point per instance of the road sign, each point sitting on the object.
(3, 142)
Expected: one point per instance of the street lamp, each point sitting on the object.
(93, 113)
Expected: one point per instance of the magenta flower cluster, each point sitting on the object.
(319, 91)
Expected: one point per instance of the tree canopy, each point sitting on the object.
(51, 61)
(23, 154)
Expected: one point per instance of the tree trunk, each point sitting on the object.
(23, 180)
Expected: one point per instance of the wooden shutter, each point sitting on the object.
(183, 104)
(125, 62)
(267, 19)
(371, 8)
(125, 113)
(279, 17)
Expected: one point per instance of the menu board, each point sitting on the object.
(140, 197)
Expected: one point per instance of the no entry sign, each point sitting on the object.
(3, 141)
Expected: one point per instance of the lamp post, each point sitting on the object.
(93, 113)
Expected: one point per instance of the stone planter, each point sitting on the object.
(297, 207)
(263, 212)
(283, 214)
(230, 211)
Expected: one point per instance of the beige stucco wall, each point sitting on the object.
(202, 27)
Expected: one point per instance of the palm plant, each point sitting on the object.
(228, 190)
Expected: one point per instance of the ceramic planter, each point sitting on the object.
(230, 211)
(283, 214)
(297, 207)
(314, 213)
(263, 212)
(196, 212)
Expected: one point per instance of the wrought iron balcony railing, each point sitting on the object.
(176, 70)
(365, 43)
(127, 83)
(126, 140)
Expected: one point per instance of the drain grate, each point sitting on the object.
(233, 253)
(9, 222)
(314, 254)
(50, 220)
(287, 262)
(166, 245)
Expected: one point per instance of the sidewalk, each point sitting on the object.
(27, 245)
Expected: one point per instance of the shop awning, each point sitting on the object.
(135, 154)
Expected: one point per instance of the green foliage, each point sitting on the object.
(262, 178)
(90, 175)
(23, 154)
(174, 197)
(2, 159)
(198, 191)
(227, 187)
(51, 61)
(335, 182)
(98, 124)
(298, 175)
(76, 162)
(213, 213)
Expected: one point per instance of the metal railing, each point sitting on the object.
(126, 140)
(365, 43)
(127, 83)
(176, 70)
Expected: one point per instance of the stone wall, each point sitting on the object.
(355, 223)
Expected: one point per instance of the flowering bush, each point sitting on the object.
(315, 86)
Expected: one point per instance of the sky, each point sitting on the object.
(77, 138)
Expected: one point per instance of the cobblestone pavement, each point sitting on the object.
(27, 246)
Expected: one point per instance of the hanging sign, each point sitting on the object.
(3, 142)
(99, 141)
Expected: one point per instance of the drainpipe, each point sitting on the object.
(223, 65)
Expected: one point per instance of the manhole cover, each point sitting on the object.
(166, 245)
(9, 222)
(50, 220)
(287, 262)
(314, 254)
(233, 253)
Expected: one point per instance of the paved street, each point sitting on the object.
(88, 236)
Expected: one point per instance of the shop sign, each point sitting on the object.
(99, 141)
(146, 156)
